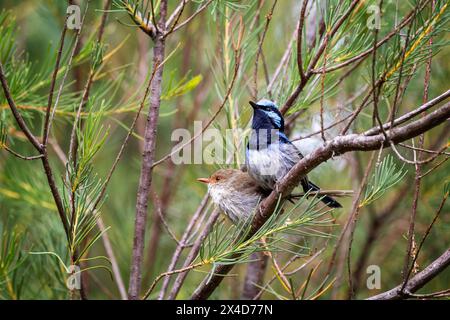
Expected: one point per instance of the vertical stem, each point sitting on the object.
(254, 279)
(410, 253)
(232, 114)
(148, 157)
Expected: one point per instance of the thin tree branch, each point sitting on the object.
(53, 82)
(19, 119)
(418, 281)
(294, 95)
(407, 19)
(193, 253)
(18, 155)
(182, 244)
(210, 121)
(145, 179)
(200, 10)
(412, 114)
(427, 232)
(299, 40)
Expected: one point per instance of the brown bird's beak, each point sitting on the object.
(253, 104)
(204, 180)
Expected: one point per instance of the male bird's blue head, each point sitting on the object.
(266, 115)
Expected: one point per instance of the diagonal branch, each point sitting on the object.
(45, 162)
(418, 281)
(19, 119)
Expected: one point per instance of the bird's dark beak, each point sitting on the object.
(204, 180)
(254, 105)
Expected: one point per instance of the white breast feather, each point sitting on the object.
(236, 206)
(269, 165)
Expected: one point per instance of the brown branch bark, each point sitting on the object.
(148, 156)
(418, 281)
(254, 278)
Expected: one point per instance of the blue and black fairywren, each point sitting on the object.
(270, 154)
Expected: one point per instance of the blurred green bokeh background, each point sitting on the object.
(26, 205)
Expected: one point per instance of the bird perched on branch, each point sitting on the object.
(270, 154)
(235, 192)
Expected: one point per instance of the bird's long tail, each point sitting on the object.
(329, 201)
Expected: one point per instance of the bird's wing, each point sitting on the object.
(285, 139)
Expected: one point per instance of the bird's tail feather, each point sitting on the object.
(329, 201)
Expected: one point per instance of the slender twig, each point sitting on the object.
(193, 253)
(308, 74)
(182, 244)
(16, 113)
(48, 123)
(259, 51)
(127, 138)
(427, 150)
(415, 161)
(425, 236)
(336, 123)
(438, 294)
(112, 258)
(290, 273)
(364, 54)
(376, 89)
(322, 95)
(157, 204)
(410, 252)
(351, 223)
(411, 114)
(210, 121)
(18, 155)
(166, 274)
(434, 167)
(400, 75)
(45, 162)
(152, 7)
(283, 61)
(299, 40)
(175, 14)
(54, 77)
(189, 19)
(180, 12)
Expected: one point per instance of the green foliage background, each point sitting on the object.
(195, 81)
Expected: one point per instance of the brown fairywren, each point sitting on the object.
(235, 192)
